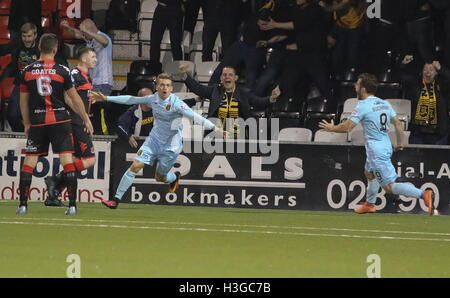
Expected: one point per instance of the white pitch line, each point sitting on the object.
(222, 230)
(235, 225)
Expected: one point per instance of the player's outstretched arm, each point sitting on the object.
(189, 113)
(76, 103)
(343, 127)
(121, 99)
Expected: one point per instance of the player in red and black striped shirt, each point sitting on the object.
(46, 119)
(84, 156)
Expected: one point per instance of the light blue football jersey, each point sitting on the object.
(375, 115)
(167, 114)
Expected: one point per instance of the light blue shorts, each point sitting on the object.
(383, 170)
(165, 159)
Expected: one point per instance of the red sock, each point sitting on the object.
(79, 165)
(27, 168)
(70, 167)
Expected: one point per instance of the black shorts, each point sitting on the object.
(59, 135)
(82, 142)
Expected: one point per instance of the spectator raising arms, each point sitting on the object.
(102, 76)
(430, 114)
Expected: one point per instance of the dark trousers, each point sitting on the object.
(272, 71)
(192, 8)
(239, 53)
(212, 27)
(345, 54)
(14, 115)
(299, 68)
(384, 38)
(430, 139)
(166, 18)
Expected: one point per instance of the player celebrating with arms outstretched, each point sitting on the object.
(164, 142)
(375, 114)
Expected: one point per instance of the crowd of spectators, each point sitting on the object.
(301, 45)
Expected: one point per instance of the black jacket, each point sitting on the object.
(414, 89)
(215, 93)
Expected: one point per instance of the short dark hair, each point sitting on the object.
(48, 43)
(229, 66)
(369, 82)
(84, 50)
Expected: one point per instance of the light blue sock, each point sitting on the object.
(372, 190)
(406, 190)
(171, 177)
(125, 183)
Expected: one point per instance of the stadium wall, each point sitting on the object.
(276, 175)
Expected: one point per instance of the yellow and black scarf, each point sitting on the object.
(229, 109)
(426, 112)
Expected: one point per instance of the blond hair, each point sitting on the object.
(27, 27)
(163, 76)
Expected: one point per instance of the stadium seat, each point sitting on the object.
(349, 105)
(402, 107)
(7, 86)
(346, 90)
(312, 119)
(4, 61)
(172, 68)
(298, 134)
(205, 70)
(389, 90)
(5, 6)
(5, 35)
(185, 95)
(320, 105)
(145, 67)
(49, 6)
(287, 105)
(330, 137)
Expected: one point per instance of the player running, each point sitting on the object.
(375, 115)
(46, 119)
(164, 143)
(84, 157)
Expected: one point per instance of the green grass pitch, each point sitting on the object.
(202, 242)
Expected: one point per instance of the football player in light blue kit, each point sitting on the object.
(164, 142)
(375, 115)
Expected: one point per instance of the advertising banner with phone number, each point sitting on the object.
(298, 177)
